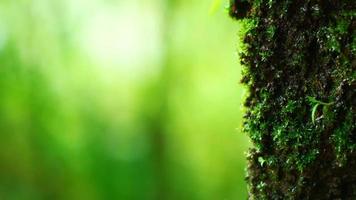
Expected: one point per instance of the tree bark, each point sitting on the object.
(300, 68)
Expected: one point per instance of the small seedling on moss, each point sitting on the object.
(261, 160)
(316, 103)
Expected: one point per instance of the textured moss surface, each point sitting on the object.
(300, 68)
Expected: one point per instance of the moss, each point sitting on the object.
(300, 68)
(353, 46)
(271, 30)
(344, 139)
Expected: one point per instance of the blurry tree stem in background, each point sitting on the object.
(157, 115)
(300, 68)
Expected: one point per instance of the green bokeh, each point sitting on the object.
(120, 100)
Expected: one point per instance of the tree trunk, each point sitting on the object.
(300, 68)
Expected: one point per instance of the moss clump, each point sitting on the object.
(301, 109)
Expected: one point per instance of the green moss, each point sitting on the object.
(299, 60)
(353, 45)
(342, 26)
(271, 30)
(344, 139)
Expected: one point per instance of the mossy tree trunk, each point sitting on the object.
(300, 68)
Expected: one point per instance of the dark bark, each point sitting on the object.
(300, 68)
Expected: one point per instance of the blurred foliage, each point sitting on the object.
(119, 100)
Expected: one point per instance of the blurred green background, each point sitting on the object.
(120, 99)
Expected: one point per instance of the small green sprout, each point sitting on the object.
(316, 103)
(261, 160)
